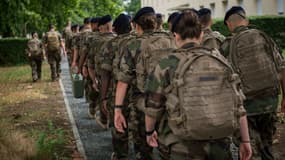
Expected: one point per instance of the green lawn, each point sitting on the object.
(36, 111)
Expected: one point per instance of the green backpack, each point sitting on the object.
(203, 98)
(53, 43)
(256, 58)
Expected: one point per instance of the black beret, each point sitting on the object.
(142, 11)
(204, 11)
(95, 20)
(234, 10)
(176, 21)
(87, 20)
(158, 15)
(171, 18)
(105, 19)
(121, 21)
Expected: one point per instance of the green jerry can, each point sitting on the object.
(77, 85)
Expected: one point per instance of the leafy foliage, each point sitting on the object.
(272, 25)
(133, 6)
(12, 51)
(19, 17)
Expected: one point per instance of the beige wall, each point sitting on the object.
(267, 7)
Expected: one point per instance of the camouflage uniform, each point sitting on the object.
(54, 56)
(212, 39)
(36, 58)
(110, 61)
(128, 74)
(94, 62)
(67, 36)
(91, 94)
(178, 149)
(261, 113)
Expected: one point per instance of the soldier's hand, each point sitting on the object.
(119, 120)
(245, 151)
(152, 139)
(283, 105)
(95, 86)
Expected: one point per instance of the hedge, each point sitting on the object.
(12, 51)
(274, 26)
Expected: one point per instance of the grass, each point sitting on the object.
(33, 113)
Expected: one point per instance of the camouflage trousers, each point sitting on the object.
(261, 130)
(137, 129)
(201, 150)
(92, 97)
(54, 59)
(120, 141)
(36, 65)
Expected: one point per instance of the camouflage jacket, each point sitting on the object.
(257, 105)
(81, 41)
(67, 36)
(95, 50)
(135, 53)
(110, 58)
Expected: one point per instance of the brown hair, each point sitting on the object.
(205, 19)
(147, 21)
(188, 25)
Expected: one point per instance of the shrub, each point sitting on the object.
(12, 51)
(274, 26)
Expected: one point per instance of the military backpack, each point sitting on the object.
(255, 57)
(203, 97)
(53, 43)
(34, 47)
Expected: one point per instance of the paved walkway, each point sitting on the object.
(93, 142)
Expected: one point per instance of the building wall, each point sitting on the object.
(218, 7)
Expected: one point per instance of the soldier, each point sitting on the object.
(67, 38)
(211, 39)
(79, 47)
(159, 21)
(94, 24)
(35, 53)
(109, 68)
(129, 77)
(93, 63)
(184, 109)
(53, 45)
(258, 61)
(171, 18)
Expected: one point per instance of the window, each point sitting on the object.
(212, 7)
(225, 5)
(280, 5)
(259, 7)
(240, 3)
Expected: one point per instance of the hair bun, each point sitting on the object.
(190, 19)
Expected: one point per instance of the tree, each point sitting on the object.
(19, 17)
(133, 6)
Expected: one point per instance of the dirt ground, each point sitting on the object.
(35, 109)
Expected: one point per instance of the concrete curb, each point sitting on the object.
(79, 143)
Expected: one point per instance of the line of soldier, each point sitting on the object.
(188, 91)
